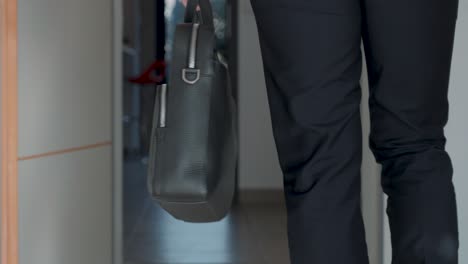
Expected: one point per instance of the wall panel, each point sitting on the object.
(65, 57)
(65, 68)
(65, 211)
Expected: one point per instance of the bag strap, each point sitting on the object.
(206, 12)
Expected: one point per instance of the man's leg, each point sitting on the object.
(409, 47)
(312, 60)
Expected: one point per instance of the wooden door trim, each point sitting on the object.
(9, 131)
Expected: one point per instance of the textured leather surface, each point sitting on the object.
(193, 158)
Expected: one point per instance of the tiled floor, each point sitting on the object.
(253, 233)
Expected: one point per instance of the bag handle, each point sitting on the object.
(206, 12)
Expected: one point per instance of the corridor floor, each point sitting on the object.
(253, 233)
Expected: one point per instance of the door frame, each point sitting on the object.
(9, 131)
(117, 132)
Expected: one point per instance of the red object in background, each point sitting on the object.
(147, 77)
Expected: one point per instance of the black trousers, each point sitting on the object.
(311, 51)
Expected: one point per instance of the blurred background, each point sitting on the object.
(84, 118)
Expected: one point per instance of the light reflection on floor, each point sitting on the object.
(253, 233)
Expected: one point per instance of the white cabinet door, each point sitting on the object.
(65, 131)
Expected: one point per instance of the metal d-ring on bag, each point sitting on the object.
(193, 152)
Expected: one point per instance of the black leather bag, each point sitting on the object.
(193, 152)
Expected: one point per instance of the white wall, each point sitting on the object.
(457, 128)
(258, 163)
(371, 192)
(64, 104)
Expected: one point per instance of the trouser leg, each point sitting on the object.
(409, 47)
(312, 63)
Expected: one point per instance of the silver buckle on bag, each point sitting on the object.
(191, 74)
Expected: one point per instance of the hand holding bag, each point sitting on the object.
(193, 152)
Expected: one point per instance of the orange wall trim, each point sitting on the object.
(9, 126)
(64, 151)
